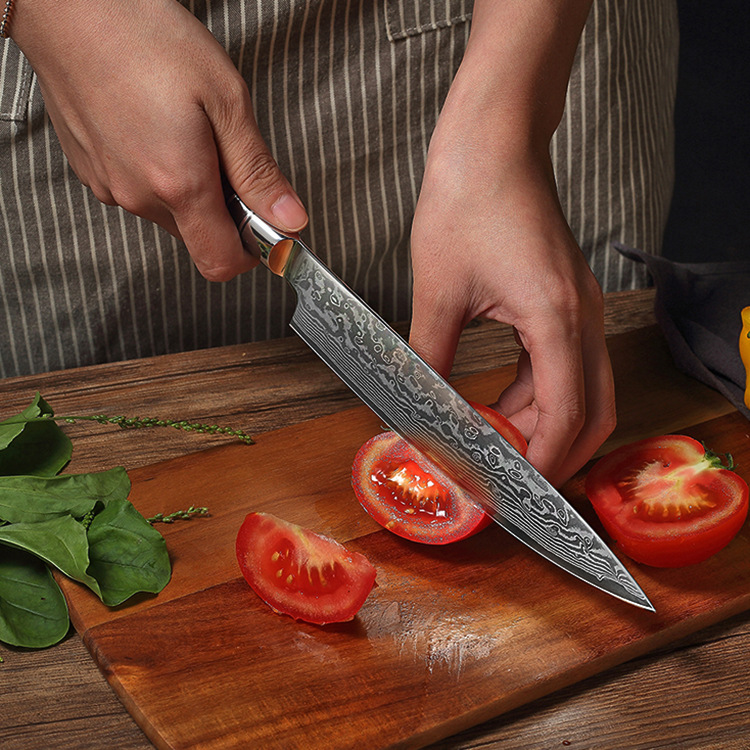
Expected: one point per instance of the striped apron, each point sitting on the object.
(346, 93)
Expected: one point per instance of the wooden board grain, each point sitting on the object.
(449, 637)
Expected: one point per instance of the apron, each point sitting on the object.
(346, 94)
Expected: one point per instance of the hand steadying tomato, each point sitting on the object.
(666, 501)
(300, 573)
(408, 495)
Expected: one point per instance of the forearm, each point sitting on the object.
(511, 85)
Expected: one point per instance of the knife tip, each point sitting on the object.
(639, 599)
(646, 604)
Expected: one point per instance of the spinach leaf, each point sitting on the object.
(127, 554)
(33, 612)
(28, 499)
(59, 541)
(32, 443)
(82, 524)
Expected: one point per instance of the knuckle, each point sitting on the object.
(173, 191)
(154, 188)
(101, 192)
(565, 300)
(231, 100)
(576, 417)
(129, 200)
(569, 414)
(104, 196)
(259, 172)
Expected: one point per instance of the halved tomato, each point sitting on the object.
(300, 573)
(410, 496)
(666, 501)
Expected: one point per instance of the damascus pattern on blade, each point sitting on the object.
(415, 402)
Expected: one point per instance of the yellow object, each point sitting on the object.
(745, 351)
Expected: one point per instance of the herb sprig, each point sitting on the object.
(134, 423)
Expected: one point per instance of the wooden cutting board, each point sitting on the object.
(449, 637)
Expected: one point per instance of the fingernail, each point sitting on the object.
(289, 212)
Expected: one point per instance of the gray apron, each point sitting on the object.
(346, 95)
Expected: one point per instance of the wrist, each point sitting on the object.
(515, 71)
(476, 135)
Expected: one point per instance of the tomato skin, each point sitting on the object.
(666, 502)
(389, 476)
(302, 574)
(503, 425)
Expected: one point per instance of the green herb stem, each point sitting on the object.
(134, 423)
(178, 515)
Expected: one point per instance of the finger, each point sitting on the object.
(249, 165)
(601, 414)
(211, 236)
(192, 208)
(559, 392)
(188, 201)
(520, 393)
(436, 326)
(516, 402)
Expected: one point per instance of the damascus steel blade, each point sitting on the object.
(419, 405)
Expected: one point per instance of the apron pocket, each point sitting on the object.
(405, 18)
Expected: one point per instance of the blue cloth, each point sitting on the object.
(698, 307)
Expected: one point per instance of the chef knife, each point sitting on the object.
(420, 406)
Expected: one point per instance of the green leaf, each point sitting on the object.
(33, 612)
(59, 541)
(127, 554)
(29, 499)
(12, 427)
(32, 443)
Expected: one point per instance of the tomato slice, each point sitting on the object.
(300, 573)
(666, 501)
(410, 496)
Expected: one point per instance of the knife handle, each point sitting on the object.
(261, 239)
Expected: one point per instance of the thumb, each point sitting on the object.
(253, 172)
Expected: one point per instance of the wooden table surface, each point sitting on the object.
(692, 694)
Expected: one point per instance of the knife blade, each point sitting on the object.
(424, 409)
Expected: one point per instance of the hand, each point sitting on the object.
(147, 107)
(489, 239)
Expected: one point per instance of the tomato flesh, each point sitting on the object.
(300, 573)
(410, 496)
(413, 489)
(666, 502)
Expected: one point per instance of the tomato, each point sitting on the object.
(300, 573)
(666, 501)
(410, 496)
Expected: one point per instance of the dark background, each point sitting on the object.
(710, 215)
